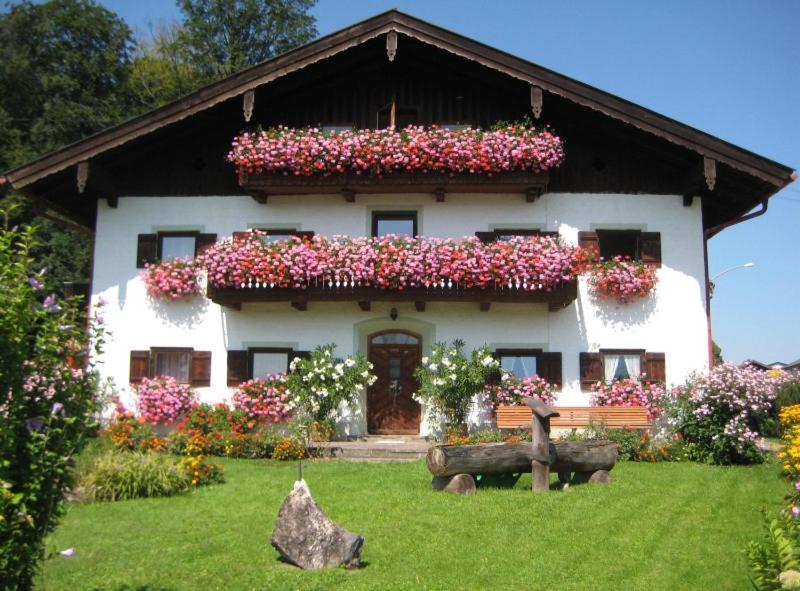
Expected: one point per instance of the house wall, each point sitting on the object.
(672, 321)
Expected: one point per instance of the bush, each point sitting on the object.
(511, 390)
(163, 400)
(290, 448)
(215, 419)
(48, 399)
(449, 380)
(718, 413)
(122, 475)
(633, 445)
(127, 433)
(321, 383)
(629, 392)
(264, 400)
(775, 559)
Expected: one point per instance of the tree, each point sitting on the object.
(717, 351)
(226, 36)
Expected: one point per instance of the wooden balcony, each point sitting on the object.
(556, 299)
(530, 185)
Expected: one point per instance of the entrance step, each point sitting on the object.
(374, 448)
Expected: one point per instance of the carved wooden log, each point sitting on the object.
(500, 458)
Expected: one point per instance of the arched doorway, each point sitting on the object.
(390, 408)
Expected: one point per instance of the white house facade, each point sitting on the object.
(629, 177)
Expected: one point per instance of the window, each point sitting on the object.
(337, 127)
(394, 222)
(265, 362)
(395, 338)
(626, 243)
(403, 116)
(176, 245)
(508, 233)
(522, 363)
(621, 364)
(172, 362)
(455, 126)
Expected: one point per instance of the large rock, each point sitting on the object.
(306, 537)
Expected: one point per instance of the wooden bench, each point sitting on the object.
(574, 417)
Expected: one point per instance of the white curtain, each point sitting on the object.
(518, 365)
(266, 364)
(622, 366)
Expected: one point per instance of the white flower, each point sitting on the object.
(438, 382)
(433, 367)
(446, 362)
(365, 374)
(453, 377)
(349, 362)
(339, 368)
(489, 361)
(424, 361)
(505, 377)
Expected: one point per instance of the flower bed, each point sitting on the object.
(622, 278)
(534, 263)
(172, 280)
(311, 151)
(629, 392)
(511, 390)
(264, 400)
(163, 400)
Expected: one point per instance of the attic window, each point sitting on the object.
(626, 243)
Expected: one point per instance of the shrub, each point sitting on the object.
(775, 559)
(264, 400)
(118, 476)
(250, 445)
(321, 383)
(48, 399)
(128, 433)
(633, 445)
(717, 413)
(215, 419)
(163, 400)
(199, 472)
(629, 392)
(511, 390)
(790, 454)
(289, 448)
(449, 380)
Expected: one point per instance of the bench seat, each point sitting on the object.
(573, 417)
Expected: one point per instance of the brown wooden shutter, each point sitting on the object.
(486, 237)
(304, 234)
(591, 369)
(549, 368)
(200, 369)
(655, 367)
(237, 368)
(589, 241)
(203, 242)
(651, 248)
(140, 366)
(146, 249)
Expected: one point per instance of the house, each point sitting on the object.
(632, 182)
(777, 365)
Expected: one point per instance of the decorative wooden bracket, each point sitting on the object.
(365, 305)
(82, 175)
(536, 101)
(248, 104)
(419, 306)
(391, 45)
(300, 304)
(439, 192)
(710, 172)
(259, 197)
(349, 195)
(688, 200)
(533, 193)
(485, 306)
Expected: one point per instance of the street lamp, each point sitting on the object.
(718, 275)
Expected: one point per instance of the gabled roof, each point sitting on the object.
(777, 175)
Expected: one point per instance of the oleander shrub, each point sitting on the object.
(122, 475)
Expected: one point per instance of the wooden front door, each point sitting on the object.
(390, 408)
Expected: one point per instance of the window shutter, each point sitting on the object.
(655, 367)
(203, 242)
(140, 366)
(200, 369)
(549, 368)
(237, 368)
(548, 233)
(304, 234)
(651, 248)
(589, 241)
(146, 249)
(591, 369)
(486, 237)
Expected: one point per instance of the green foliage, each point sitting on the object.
(633, 445)
(225, 36)
(47, 405)
(775, 559)
(322, 382)
(717, 352)
(123, 475)
(448, 380)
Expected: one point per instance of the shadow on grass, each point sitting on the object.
(126, 587)
(361, 566)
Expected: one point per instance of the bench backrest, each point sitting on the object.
(632, 417)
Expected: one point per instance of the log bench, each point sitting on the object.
(574, 417)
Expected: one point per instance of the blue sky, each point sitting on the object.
(728, 67)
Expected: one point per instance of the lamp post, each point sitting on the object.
(718, 275)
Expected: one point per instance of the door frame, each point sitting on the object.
(419, 346)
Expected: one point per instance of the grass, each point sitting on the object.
(658, 526)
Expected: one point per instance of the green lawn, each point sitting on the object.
(658, 526)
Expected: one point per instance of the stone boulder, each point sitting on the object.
(306, 537)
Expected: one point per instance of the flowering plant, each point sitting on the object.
(163, 400)
(531, 263)
(790, 454)
(511, 390)
(320, 383)
(629, 392)
(172, 280)
(311, 151)
(218, 418)
(717, 413)
(264, 400)
(449, 379)
(622, 278)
